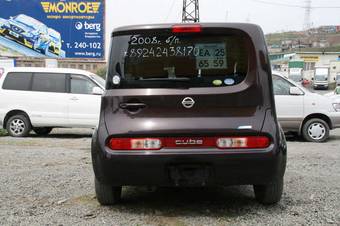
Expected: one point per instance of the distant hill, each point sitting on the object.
(325, 38)
(277, 38)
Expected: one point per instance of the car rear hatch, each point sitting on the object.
(185, 81)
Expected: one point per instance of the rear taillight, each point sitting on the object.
(187, 28)
(135, 144)
(249, 142)
(243, 142)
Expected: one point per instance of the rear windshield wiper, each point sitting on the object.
(176, 79)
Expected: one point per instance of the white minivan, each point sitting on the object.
(299, 110)
(41, 99)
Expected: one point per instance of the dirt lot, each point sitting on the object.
(49, 181)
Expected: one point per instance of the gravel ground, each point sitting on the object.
(49, 181)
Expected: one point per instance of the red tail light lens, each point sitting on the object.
(187, 28)
(243, 142)
(251, 142)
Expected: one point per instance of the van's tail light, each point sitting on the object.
(187, 28)
(243, 142)
(249, 142)
(135, 144)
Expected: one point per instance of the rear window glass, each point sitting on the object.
(17, 81)
(152, 60)
(48, 82)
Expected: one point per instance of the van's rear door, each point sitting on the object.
(177, 81)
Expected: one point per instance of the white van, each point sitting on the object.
(41, 99)
(299, 110)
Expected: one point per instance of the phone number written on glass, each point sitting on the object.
(175, 51)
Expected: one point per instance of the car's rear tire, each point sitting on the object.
(42, 130)
(106, 194)
(18, 126)
(269, 193)
(315, 130)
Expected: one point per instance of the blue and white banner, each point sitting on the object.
(52, 28)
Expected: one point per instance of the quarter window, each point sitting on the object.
(17, 81)
(49, 82)
(81, 85)
(281, 86)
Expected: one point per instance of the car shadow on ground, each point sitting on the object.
(291, 137)
(296, 138)
(333, 137)
(224, 202)
(61, 136)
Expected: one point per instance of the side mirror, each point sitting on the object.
(295, 91)
(97, 91)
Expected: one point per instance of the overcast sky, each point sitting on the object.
(271, 18)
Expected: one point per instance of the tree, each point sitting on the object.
(102, 72)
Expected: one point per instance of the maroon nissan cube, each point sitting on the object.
(188, 105)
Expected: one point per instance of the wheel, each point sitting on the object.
(315, 130)
(18, 126)
(42, 130)
(269, 193)
(106, 194)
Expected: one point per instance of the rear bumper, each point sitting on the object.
(321, 85)
(153, 169)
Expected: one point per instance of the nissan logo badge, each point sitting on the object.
(188, 102)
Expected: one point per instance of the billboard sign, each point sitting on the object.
(52, 28)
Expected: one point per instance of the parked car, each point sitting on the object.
(188, 105)
(26, 31)
(337, 90)
(305, 82)
(337, 79)
(335, 93)
(45, 98)
(299, 110)
(55, 42)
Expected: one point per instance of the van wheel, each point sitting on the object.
(106, 194)
(42, 130)
(315, 130)
(269, 193)
(18, 126)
